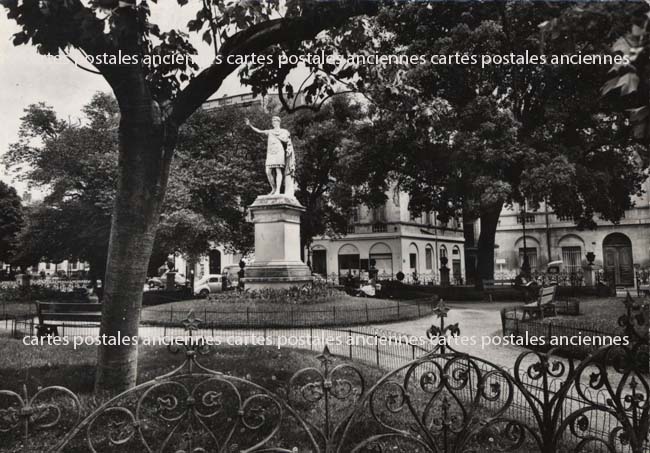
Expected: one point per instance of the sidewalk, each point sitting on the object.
(475, 319)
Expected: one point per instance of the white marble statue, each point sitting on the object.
(280, 158)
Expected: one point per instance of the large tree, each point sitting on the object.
(462, 137)
(154, 101)
(628, 85)
(11, 220)
(75, 163)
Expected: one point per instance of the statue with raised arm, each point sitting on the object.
(280, 158)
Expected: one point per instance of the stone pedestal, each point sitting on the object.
(277, 244)
(444, 276)
(589, 275)
(170, 282)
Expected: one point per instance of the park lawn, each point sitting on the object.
(74, 368)
(596, 313)
(48, 365)
(342, 309)
(269, 367)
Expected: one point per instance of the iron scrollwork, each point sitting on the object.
(444, 401)
(49, 408)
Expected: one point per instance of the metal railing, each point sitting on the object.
(292, 317)
(459, 388)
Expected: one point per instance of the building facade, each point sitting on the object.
(393, 239)
(619, 249)
(211, 263)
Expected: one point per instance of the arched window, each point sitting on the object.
(413, 257)
(349, 260)
(381, 255)
(428, 257)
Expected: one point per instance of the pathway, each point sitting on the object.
(475, 320)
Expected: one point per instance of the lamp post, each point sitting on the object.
(525, 266)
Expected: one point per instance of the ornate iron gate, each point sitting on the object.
(444, 401)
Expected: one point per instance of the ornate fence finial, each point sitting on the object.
(191, 323)
(434, 331)
(635, 316)
(192, 345)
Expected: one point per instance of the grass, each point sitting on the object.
(341, 310)
(596, 313)
(74, 368)
(266, 366)
(47, 365)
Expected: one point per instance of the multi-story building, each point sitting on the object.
(618, 248)
(394, 239)
(212, 262)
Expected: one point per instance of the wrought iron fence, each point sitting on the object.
(643, 282)
(435, 400)
(564, 278)
(513, 323)
(292, 317)
(424, 278)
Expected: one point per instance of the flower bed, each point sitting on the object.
(306, 295)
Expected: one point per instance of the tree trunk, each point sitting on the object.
(489, 222)
(471, 258)
(145, 151)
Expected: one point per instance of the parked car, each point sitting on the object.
(160, 282)
(210, 283)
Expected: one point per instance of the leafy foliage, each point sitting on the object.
(76, 164)
(11, 220)
(470, 139)
(627, 84)
(329, 154)
(155, 100)
(220, 166)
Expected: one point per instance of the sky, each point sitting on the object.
(27, 77)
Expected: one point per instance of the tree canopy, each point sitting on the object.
(155, 99)
(11, 221)
(75, 163)
(470, 138)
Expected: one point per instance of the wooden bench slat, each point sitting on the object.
(51, 314)
(545, 303)
(86, 305)
(72, 317)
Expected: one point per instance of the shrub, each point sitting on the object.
(163, 296)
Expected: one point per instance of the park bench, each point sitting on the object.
(492, 285)
(53, 314)
(543, 306)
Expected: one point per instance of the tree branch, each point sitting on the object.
(259, 37)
